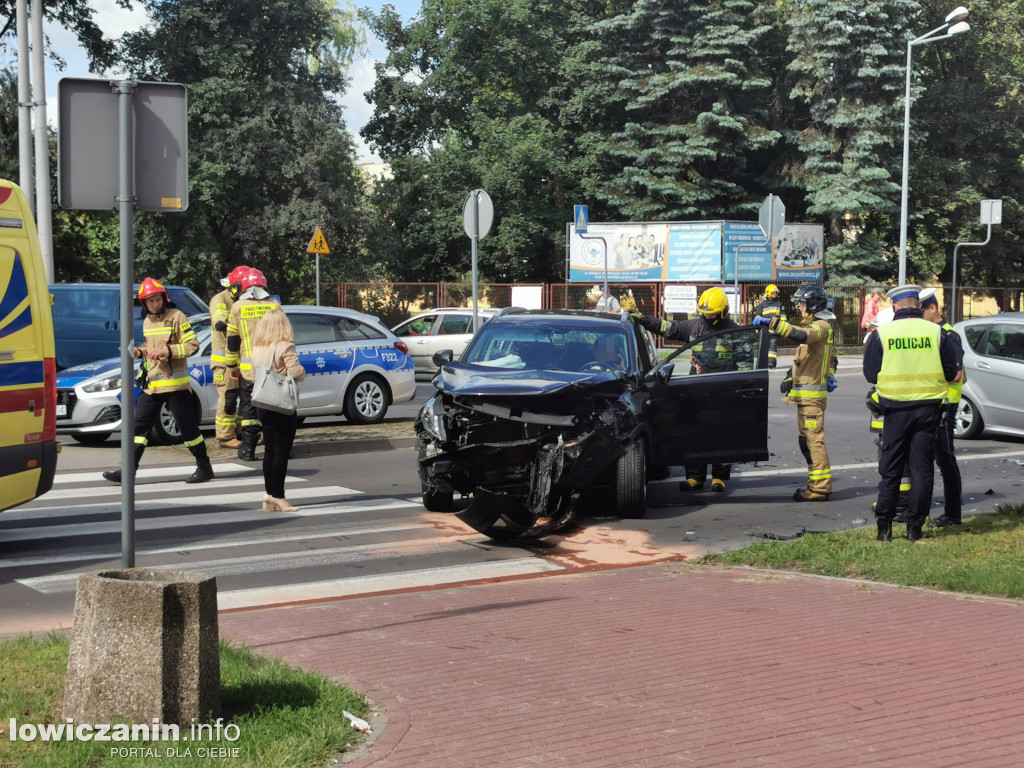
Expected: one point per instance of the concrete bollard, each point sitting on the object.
(144, 646)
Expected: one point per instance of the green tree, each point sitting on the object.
(688, 82)
(270, 158)
(74, 15)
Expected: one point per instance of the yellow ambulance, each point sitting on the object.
(28, 369)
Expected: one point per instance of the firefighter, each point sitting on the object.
(163, 378)
(771, 306)
(911, 364)
(718, 355)
(809, 381)
(227, 387)
(252, 304)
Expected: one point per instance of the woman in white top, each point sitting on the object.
(274, 329)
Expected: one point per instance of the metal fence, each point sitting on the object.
(395, 302)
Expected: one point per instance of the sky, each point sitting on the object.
(114, 21)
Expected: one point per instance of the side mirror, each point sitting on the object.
(664, 373)
(442, 357)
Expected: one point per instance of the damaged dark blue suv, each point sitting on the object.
(546, 405)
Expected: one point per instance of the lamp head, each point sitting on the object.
(957, 13)
(959, 28)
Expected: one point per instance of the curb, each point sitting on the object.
(339, 447)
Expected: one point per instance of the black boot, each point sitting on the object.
(884, 530)
(945, 520)
(247, 450)
(914, 532)
(204, 470)
(114, 475)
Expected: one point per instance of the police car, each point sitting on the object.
(354, 366)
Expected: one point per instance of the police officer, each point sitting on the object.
(945, 454)
(708, 357)
(169, 339)
(810, 380)
(227, 387)
(252, 304)
(911, 364)
(771, 306)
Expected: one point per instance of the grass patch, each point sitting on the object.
(286, 717)
(985, 556)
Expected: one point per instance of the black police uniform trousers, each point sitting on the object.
(908, 440)
(945, 457)
(250, 419)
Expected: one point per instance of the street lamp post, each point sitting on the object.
(929, 37)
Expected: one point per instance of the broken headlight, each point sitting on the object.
(432, 420)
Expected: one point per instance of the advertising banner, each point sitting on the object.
(799, 253)
(756, 257)
(635, 253)
(694, 252)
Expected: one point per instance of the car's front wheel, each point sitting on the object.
(367, 400)
(437, 501)
(968, 422)
(631, 481)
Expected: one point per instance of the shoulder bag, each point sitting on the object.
(274, 391)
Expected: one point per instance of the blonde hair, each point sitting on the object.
(272, 328)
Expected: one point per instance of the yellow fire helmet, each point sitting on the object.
(771, 291)
(713, 302)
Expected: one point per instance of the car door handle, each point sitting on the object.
(106, 324)
(422, 341)
(751, 391)
(984, 366)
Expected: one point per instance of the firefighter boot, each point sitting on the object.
(204, 470)
(247, 450)
(884, 530)
(114, 475)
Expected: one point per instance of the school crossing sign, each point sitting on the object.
(318, 244)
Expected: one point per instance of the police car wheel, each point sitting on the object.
(165, 431)
(366, 400)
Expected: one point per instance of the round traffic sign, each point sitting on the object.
(477, 214)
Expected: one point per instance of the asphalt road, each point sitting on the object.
(362, 529)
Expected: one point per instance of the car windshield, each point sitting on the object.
(519, 346)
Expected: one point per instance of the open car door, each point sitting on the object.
(712, 417)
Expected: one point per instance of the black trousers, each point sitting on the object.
(147, 411)
(278, 436)
(945, 457)
(250, 419)
(908, 439)
(699, 472)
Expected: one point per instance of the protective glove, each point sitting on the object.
(221, 326)
(787, 383)
(762, 320)
(636, 317)
(832, 384)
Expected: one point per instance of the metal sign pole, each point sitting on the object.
(126, 213)
(318, 279)
(474, 240)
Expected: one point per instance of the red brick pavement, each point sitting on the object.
(670, 665)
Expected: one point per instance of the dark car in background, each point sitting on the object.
(993, 396)
(545, 406)
(87, 319)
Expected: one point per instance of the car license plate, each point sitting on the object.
(62, 410)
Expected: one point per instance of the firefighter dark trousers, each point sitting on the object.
(811, 424)
(250, 420)
(182, 407)
(908, 439)
(699, 472)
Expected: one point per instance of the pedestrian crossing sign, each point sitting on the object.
(579, 217)
(319, 243)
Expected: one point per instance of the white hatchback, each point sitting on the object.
(994, 367)
(444, 328)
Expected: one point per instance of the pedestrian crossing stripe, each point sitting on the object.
(319, 243)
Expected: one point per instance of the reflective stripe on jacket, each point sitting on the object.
(911, 364)
(242, 322)
(814, 361)
(956, 388)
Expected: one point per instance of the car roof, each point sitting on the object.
(569, 316)
(1013, 317)
(482, 310)
(315, 309)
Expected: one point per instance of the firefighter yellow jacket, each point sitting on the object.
(168, 332)
(245, 313)
(815, 359)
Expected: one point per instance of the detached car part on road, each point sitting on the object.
(546, 406)
(354, 366)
